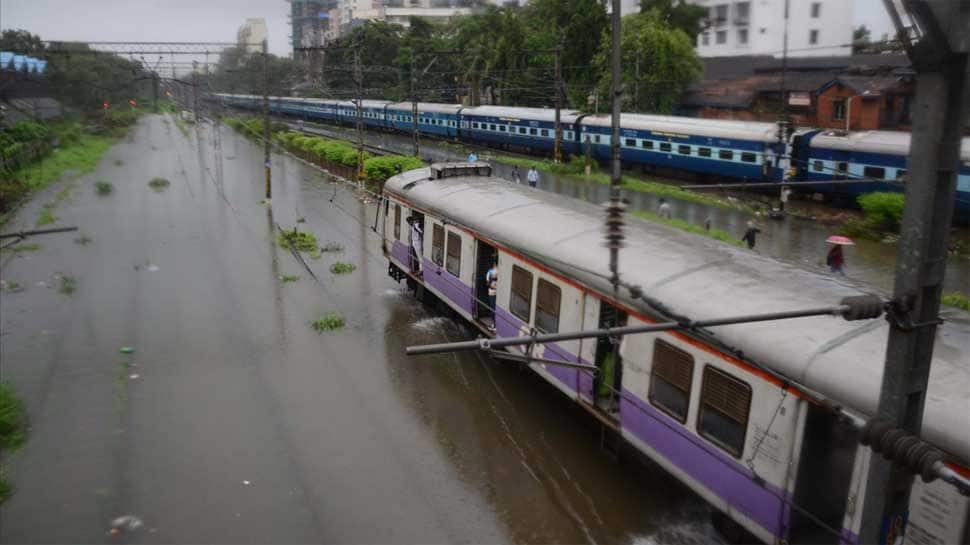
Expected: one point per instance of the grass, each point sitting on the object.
(13, 431)
(158, 184)
(68, 284)
(331, 247)
(575, 170)
(10, 285)
(31, 247)
(301, 241)
(342, 268)
(328, 322)
(716, 234)
(83, 240)
(103, 187)
(956, 299)
(46, 217)
(180, 123)
(289, 278)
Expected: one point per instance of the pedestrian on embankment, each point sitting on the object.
(750, 235)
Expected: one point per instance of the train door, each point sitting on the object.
(824, 479)
(484, 307)
(609, 376)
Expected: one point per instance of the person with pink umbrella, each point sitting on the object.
(836, 259)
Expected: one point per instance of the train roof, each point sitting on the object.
(713, 128)
(436, 107)
(534, 114)
(891, 142)
(691, 276)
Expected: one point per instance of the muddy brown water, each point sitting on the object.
(797, 240)
(233, 421)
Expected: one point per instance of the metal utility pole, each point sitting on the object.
(940, 59)
(614, 213)
(557, 156)
(414, 109)
(195, 92)
(636, 84)
(266, 142)
(359, 85)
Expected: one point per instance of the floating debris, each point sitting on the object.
(126, 523)
(126, 350)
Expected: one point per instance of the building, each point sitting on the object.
(309, 23)
(757, 27)
(859, 92)
(251, 35)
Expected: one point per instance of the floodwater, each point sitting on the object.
(795, 239)
(234, 421)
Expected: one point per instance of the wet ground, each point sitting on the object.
(234, 421)
(795, 239)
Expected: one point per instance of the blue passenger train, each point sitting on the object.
(739, 150)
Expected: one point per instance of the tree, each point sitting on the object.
(662, 56)
(686, 17)
(861, 39)
(21, 42)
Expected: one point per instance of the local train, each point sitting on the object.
(741, 414)
(714, 148)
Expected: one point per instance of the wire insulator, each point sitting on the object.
(862, 307)
(903, 448)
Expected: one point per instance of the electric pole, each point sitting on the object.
(155, 91)
(940, 59)
(558, 145)
(195, 92)
(266, 142)
(614, 214)
(414, 109)
(359, 85)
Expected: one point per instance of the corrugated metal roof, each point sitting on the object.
(699, 278)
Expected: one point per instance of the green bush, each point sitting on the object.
(379, 169)
(883, 210)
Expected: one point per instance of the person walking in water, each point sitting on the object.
(664, 209)
(750, 235)
(533, 177)
(516, 177)
(491, 280)
(836, 260)
(472, 157)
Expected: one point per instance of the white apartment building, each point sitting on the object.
(252, 33)
(756, 27)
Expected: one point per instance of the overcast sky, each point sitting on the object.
(208, 20)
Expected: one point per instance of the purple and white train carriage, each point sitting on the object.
(735, 412)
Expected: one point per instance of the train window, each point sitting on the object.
(704, 152)
(843, 167)
(723, 417)
(520, 301)
(665, 146)
(548, 299)
(501, 128)
(522, 130)
(749, 157)
(818, 166)
(532, 131)
(397, 221)
(438, 244)
(683, 150)
(874, 172)
(453, 263)
(647, 144)
(545, 132)
(491, 127)
(630, 142)
(596, 138)
(670, 379)
(725, 154)
(900, 175)
(474, 125)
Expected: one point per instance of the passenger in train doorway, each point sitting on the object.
(836, 260)
(417, 244)
(664, 209)
(516, 177)
(491, 280)
(750, 235)
(533, 177)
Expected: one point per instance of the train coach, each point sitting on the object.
(712, 148)
(741, 414)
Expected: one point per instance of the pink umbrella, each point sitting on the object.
(840, 240)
